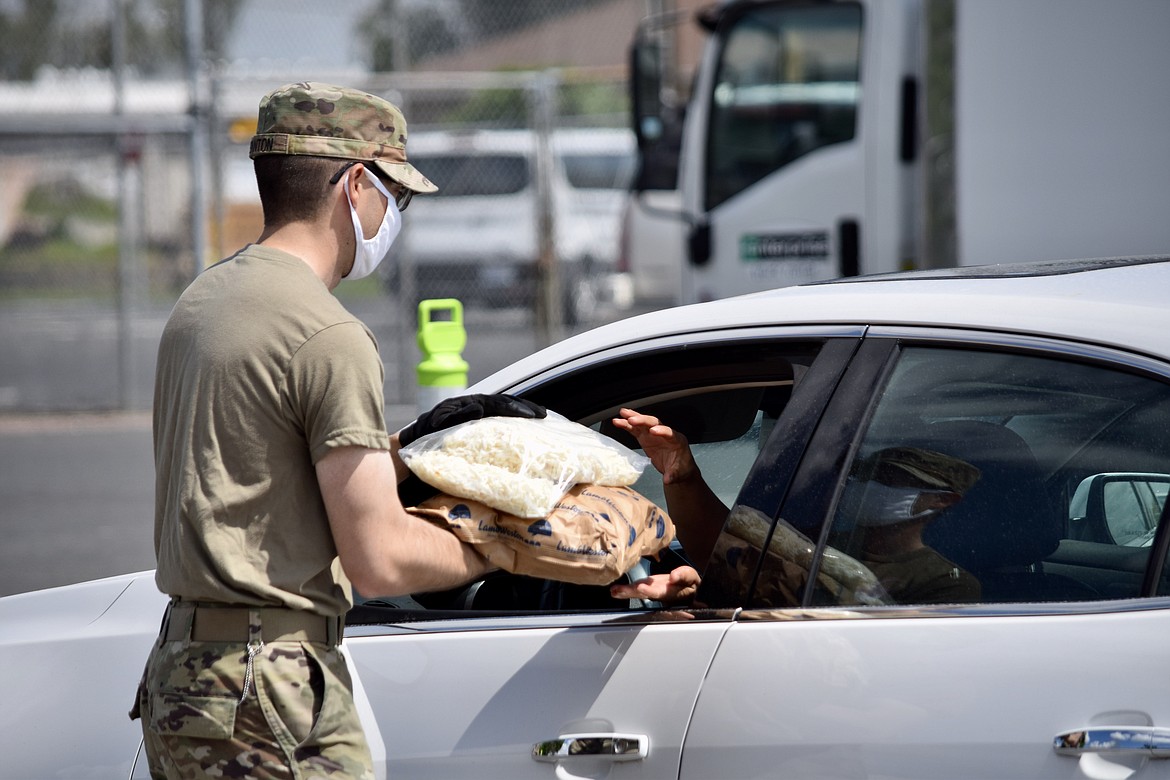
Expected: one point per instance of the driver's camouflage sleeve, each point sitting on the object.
(296, 720)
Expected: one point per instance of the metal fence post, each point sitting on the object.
(128, 229)
(548, 312)
(193, 40)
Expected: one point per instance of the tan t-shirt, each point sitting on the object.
(261, 371)
(922, 576)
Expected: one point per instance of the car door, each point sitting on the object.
(861, 660)
(522, 678)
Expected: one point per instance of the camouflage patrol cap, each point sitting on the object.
(915, 467)
(324, 120)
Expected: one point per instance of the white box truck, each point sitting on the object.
(835, 138)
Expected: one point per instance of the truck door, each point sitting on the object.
(774, 164)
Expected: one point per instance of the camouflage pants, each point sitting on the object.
(296, 720)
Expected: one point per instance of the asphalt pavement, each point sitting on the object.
(76, 497)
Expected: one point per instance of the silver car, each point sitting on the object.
(810, 651)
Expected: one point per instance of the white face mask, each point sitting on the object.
(875, 504)
(368, 252)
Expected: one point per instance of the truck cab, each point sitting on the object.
(780, 144)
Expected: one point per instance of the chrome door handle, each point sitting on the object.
(1155, 742)
(611, 747)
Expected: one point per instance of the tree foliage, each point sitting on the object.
(79, 34)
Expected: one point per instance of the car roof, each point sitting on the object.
(1115, 302)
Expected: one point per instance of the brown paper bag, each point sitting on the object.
(593, 535)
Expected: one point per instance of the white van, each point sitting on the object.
(476, 239)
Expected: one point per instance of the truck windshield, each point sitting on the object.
(787, 82)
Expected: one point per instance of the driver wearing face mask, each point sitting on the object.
(893, 495)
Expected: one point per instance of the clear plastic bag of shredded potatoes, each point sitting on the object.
(519, 466)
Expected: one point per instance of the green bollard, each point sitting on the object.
(442, 373)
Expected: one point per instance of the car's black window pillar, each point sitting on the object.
(731, 570)
(770, 475)
(806, 507)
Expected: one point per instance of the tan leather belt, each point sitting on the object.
(201, 622)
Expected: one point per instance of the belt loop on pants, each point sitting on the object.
(204, 622)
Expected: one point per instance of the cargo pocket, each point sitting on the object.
(185, 715)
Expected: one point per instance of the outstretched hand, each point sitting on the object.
(678, 587)
(465, 408)
(668, 449)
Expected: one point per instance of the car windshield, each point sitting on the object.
(599, 171)
(462, 175)
(788, 84)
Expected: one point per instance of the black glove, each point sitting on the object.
(452, 411)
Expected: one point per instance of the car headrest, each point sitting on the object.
(1006, 518)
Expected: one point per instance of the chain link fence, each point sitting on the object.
(123, 157)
